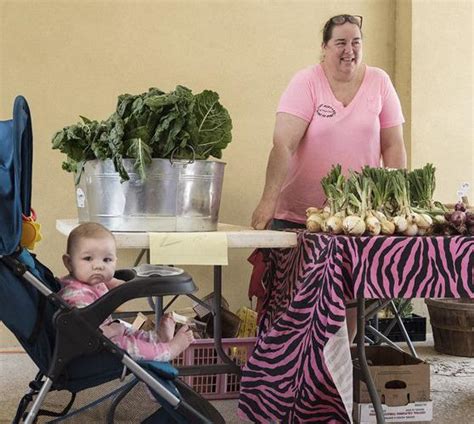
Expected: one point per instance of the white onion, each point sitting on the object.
(422, 231)
(387, 227)
(314, 222)
(401, 224)
(353, 225)
(423, 220)
(311, 211)
(373, 225)
(334, 225)
(412, 230)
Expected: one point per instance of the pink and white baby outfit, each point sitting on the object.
(141, 345)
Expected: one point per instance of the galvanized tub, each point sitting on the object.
(175, 196)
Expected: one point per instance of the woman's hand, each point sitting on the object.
(262, 215)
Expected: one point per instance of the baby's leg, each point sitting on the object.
(141, 346)
(165, 329)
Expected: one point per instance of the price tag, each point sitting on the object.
(463, 190)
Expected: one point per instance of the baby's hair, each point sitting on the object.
(87, 230)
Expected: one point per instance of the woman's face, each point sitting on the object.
(343, 52)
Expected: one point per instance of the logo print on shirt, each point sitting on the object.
(326, 111)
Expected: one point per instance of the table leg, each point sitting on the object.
(140, 256)
(217, 320)
(158, 300)
(155, 302)
(363, 361)
(229, 365)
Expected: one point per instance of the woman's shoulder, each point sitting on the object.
(309, 71)
(377, 73)
(308, 74)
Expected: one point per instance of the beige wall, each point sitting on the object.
(402, 73)
(72, 58)
(442, 92)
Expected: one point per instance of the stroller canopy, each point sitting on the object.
(16, 151)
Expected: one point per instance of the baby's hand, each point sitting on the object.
(114, 282)
(114, 329)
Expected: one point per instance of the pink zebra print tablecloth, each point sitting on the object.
(300, 370)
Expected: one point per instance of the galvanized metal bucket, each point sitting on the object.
(176, 195)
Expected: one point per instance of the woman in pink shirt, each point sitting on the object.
(339, 111)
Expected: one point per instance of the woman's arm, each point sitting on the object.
(393, 147)
(289, 131)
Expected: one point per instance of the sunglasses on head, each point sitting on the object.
(342, 19)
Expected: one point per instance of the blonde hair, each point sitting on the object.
(87, 230)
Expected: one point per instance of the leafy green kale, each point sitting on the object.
(155, 124)
(214, 125)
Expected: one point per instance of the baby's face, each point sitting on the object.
(93, 260)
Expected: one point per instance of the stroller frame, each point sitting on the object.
(73, 344)
(73, 335)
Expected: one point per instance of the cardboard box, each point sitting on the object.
(364, 413)
(402, 382)
(143, 322)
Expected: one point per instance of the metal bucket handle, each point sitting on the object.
(190, 161)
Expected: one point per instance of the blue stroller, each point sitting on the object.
(65, 343)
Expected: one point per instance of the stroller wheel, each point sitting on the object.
(200, 404)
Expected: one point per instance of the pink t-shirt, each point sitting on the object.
(336, 134)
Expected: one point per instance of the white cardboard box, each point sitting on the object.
(364, 413)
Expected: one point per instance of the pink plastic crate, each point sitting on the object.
(202, 352)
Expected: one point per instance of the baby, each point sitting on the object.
(91, 260)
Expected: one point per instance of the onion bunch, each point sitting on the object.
(385, 201)
(459, 221)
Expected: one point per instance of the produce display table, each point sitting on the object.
(301, 369)
(237, 237)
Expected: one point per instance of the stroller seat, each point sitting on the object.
(66, 343)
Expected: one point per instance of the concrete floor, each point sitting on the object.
(452, 386)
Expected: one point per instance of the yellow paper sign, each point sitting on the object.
(188, 248)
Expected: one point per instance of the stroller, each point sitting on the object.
(65, 343)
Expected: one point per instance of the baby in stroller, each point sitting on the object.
(91, 260)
